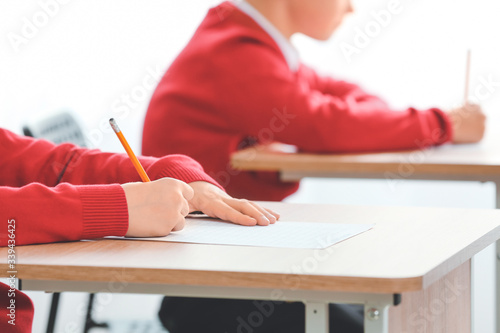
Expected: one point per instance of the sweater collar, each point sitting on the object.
(289, 52)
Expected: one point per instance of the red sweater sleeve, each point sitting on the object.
(319, 114)
(35, 191)
(367, 122)
(23, 310)
(27, 160)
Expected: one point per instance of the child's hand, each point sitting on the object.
(468, 123)
(214, 202)
(156, 208)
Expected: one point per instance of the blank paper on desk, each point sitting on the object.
(305, 235)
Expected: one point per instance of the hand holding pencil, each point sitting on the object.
(155, 208)
(158, 207)
(468, 121)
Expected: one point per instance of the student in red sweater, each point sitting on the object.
(63, 193)
(239, 82)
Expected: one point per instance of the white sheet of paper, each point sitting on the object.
(303, 235)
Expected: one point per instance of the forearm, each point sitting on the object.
(27, 160)
(316, 122)
(63, 213)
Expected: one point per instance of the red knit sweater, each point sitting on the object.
(36, 195)
(231, 87)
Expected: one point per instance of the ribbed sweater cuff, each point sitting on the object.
(180, 167)
(444, 131)
(104, 211)
(189, 175)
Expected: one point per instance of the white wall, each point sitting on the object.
(91, 54)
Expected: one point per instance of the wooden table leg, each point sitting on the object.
(445, 306)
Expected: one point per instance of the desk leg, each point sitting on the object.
(317, 317)
(444, 306)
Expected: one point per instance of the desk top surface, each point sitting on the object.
(468, 159)
(408, 249)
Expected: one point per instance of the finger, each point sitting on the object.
(226, 212)
(270, 217)
(184, 207)
(191, 207)
(180, 224)
(276, 215)
(247, 208)
(187, 191)
(473, 108)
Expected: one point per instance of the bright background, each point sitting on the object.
(90, 56)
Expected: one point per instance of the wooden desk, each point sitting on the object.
(476, 162)
(421, 253)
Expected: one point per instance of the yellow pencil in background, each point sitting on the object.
(467, 78)
(133, 158)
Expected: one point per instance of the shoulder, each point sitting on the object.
(228, 36)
